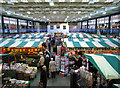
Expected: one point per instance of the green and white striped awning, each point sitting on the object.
(107, 64)
(84, 35)
(30, 35)
(20, 42)
(92, 42)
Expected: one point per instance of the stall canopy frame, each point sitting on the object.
(106, 64)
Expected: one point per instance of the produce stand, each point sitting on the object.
(21, 71)
(17, 83)
(93, 45)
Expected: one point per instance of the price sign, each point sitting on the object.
(8, 49)
(31, 49)
(23, 49)
(20, 50)
(35, 49)
(11, 49)
(16, 49)
(28, 49)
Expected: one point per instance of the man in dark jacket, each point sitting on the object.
(44, 76)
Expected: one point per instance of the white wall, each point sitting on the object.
(60, 30)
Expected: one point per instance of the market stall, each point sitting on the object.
(101, 44)
(21, 44)
(30, 35)
(104, 64)
(84, 35)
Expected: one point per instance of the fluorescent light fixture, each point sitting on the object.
(106, 9)
(28, 12)
(10, 3)
(85, 0)
(47, 0)
(51, 3)
(43, 16)
(91, 3)
(37, 0)
(14, 1)
(34, 18)
(97, 12)
(67, 16)
(109, 0)
(86, 16)
(95, 0)
(54, 12)
(104, 12)
(2, 1)
(24, 0)
(21, 9)
(64, 8)
(79, 12)
(103, 7)
(62, 11)
(61, 0)
(30, 8)
(36, 12)
(8, 12)
(72, 0)
(25, 16)
(91, 14)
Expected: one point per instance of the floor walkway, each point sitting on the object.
(58, 82)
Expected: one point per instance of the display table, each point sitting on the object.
(20, 71)
(17, 83)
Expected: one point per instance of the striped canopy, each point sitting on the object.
(106, 64)
(92, 42)
(83, 35)
(20, 42)
(31, 35)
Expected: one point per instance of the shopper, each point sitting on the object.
(102, 28)
(44, 76)
(47, 60)
(42, 60)
(52, 67)
(49, 46)
(62, 48)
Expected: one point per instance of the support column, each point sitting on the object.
(27, 26)
(17, 26)
(96, 26)
(81, 25)
(3, 29)
(87, 24)
(109, 22)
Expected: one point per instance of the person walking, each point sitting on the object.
(42, 60)
(102, 28)
(47, 60)
(44, 76)
(49, 46)
(52, 68)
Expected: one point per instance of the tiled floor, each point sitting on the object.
(58, 82)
